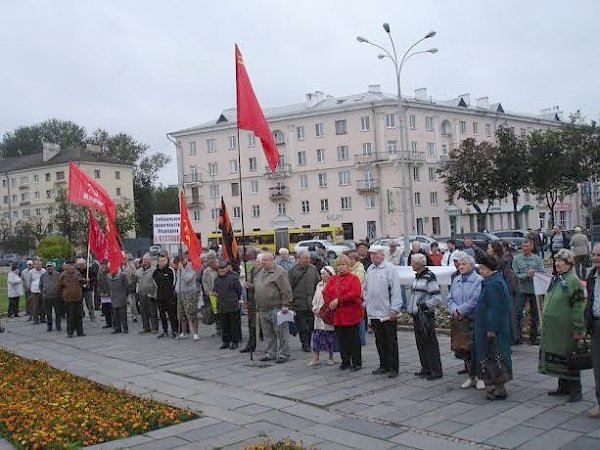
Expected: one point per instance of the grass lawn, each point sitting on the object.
(4, 294)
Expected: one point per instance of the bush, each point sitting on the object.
(55, 247)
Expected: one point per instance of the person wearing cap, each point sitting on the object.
(323, 336)
(187, 297)
(50, 296)
(394, 256)
(229, 293)
(26, 277)
(491, 321)
(15, 290)
(38, 307)
(304, 278)
(580, 246)
(362, 248)
(562, 327)
(383, 299)
(70, 289)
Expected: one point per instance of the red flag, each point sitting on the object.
(187, 235)
(249, 114)
(97, 238)
(86, 192)
(115, 253)
(229, 249)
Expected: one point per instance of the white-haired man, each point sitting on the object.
(383, 299)
(285, 261)
(304, 278)
(146, 290)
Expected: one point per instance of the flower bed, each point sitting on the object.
(286, 444)
(45, 408)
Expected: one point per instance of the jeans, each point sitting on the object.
(305, 321)
(533, 330)
(276, 337)
(386, 340)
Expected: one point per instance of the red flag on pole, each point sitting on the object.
(187, 235)
(97, 238)
(115, 253)
(229, 248)
(249, 114)
(86, 192)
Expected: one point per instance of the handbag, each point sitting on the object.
(581, 357)
(494, 370)
(460, 336)
(326, 314)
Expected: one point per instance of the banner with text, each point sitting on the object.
(166, 228)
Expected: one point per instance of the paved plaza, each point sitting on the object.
(323, 406)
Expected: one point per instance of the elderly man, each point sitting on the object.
(209, 274)
(580, 246)
(285, 261)
(251, 305)
(592, 320)
(471, 249)
(273, 293)
(394, 256)
(416, 249)
(38, 307)
(304, 278)
(69, 287)
(383, 299)
(425, 298)
(50, 296)
(146, 290)
(88, 287)
(362, 248)
(25, 276)
(187, 296)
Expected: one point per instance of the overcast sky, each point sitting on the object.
(150, 67)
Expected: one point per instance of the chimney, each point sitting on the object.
(483, 102)
(311, 100)
(421, 94)
(466, 98)
(320, 96)
(374, 89)
(49, 151)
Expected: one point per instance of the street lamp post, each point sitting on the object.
(398, 65)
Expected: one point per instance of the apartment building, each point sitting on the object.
(29, 184)
(340, 165)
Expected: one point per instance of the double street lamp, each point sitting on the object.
(398, 65)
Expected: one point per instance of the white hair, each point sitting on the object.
(465, 258)
(415, 244)
(419, 258)
(284, 251)
(259, 257)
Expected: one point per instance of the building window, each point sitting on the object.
(319, 130)
(523, 132)
(414, 146)
(254, 187)
(433, 198)
(463, 127)
(36, 178)
(4, 183)
(281, 209)
(14, 198)
(417, 199)
(13, 181)
(344, 177)
(47, 176)
(412, 121)
(231, 143)
(279, 137)
(60, 175)
(211, 145)
(6, 199)
(192, 148)
(300, 133)
(369, 201)
(392, 147)
(488, 129)
(251, 140)
(302, 158)
(214, 213)
(416, 174)
(303, 181)
(367, 149)
(305, 206)
(429, 123)
(475, 128)
(431, 148)
(194, 174)
(38, 211)
(15, 214)
(25, 180)
(196, 215)
(390, 120)
(320, 155)
(36, 195)
(432, 174)
(252, 165)
(322, 177)
(365, 123)
(255, 210)
(324, 204)
(346, 203)
(340, 127)
(237, 212)
(213, 169)
(213, 190)
(342, 153)
(118, 191)
(49, 193)
(435, 226)
(444, 149)
(26, 213)
(25, 197)
(117, 174)
(235, 189)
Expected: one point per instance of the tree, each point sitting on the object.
(29, 139)
(468, 174)
(70, 219)
(511, 169)
(126, 219)
(52, 247)
(166, 200)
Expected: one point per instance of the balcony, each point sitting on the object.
(370, 185)
(25, 203)
(281, 171)
(369, 158)
(195, 201)
(279, 193)
(444, 158)
(192, 178)
(24, 186)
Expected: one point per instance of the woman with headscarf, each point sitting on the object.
(323, 336)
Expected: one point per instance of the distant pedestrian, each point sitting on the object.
(15, 290)
(104, 293)
(251, 305)
(323, 337)
(187, 296)
(25, 276)
(38, 307)
(51, 297)
(164, 277)
(362, 248)
(417, 249)
(284, 260)
(435, 255)
(394, 255)
(146, 292)
(304, 278)
(88, 287)
(447, 257)
(229, 294)
(70, 289)
(592, 321)
(580, 246)
(119, 288)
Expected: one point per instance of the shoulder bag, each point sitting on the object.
(494, 370)
(581, 357)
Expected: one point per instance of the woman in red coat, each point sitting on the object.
(343, 295)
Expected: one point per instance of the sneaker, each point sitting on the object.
(196, 337)
(182, 336)
(331, 362)
(467, 384)
(312, 363)
(480, 386)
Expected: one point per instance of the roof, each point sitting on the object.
(35, 160)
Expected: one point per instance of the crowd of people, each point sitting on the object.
(332, 305)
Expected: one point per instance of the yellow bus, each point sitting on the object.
(271, 240)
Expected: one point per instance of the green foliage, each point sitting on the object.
(125, 217)
(28, 140)
(70, 219)
(52, 247)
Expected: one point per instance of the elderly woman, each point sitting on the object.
(562, 326)
(491, 324)
(462, 299)
(323, 336)
(496, 249)
(343, 295)
(424, 300)
(357, 267)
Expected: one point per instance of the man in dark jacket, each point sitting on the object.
(88, 286)
(592, 320)
(304, 278)
(415, 247)
(50, 296)
(164, 277)
(251, 305)
(229, 292)
(69, 287)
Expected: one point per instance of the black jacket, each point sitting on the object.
(229, 292)
(589, 308)
(165, 285)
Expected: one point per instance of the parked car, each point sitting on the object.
(347, 243)
(480, 239)
(425, 241)
(514, 237)
(331, 250)
(8, 259)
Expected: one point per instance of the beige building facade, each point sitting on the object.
(340, 165)
(29, 184)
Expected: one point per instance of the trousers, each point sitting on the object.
(74, 322)
(350, 350)
(149, 313)
(427, 345)
(305, 322)
(168, 313)
(38, 307)
(88, 299)
(54, 304)
(107, 311)
(277, 337)
(386, 340)
(533, 311)
(120, 319)
(13, 306)
(596, 356)
(230, 327)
